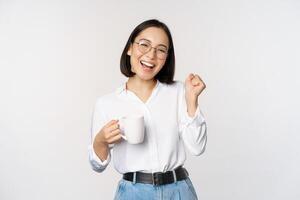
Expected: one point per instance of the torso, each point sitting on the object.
(142, 95)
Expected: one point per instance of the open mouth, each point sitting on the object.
(147, 65)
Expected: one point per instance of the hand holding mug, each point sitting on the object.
(110, 133)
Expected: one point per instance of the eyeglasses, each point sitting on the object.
(144, 46)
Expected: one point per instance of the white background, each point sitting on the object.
(57, 57)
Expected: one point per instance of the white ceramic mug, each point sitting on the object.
(132, 128)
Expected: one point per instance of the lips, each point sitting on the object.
(147, 65)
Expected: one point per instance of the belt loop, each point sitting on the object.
(174, 176)
(134, 177)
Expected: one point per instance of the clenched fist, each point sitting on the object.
(193, 86)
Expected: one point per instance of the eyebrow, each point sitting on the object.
(151, 42)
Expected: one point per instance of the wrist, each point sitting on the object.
(191, 100)
(192, 104)
(101, 149)
(100, 143)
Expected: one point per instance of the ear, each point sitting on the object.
(129, 50)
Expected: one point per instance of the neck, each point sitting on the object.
(137, 84)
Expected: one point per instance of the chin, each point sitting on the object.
(145, 77)
(148, 78)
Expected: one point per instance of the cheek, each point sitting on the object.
(136, 54)
(134, 62)
(161, 63)
(134, 58)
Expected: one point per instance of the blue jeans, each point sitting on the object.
(181, 190)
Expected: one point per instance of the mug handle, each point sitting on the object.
(121, 124)
(124, 137)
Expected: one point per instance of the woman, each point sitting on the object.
(172, 117)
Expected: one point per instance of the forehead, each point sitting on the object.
(155, 35)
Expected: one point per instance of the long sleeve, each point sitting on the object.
(98, 121)
(193, 130)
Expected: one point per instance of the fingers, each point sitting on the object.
(200, 81)
(190, 77)
(193, 77)
(115, 132)
(111, 122)
(114, 139)
(113, 127)
(196, 80)
(108, 135)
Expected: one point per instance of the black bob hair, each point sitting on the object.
(166, 74)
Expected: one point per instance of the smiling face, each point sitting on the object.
(147, 64)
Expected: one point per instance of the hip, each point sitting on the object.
(128, 190)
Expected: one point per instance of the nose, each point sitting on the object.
(152, 53)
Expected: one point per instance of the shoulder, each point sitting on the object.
(174, 90)
(105, 99)
(177, 85)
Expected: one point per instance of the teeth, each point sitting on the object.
(147, 64)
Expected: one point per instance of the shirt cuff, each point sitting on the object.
(196, 120)
(96, 160)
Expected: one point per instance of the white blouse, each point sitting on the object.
(168, 129)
